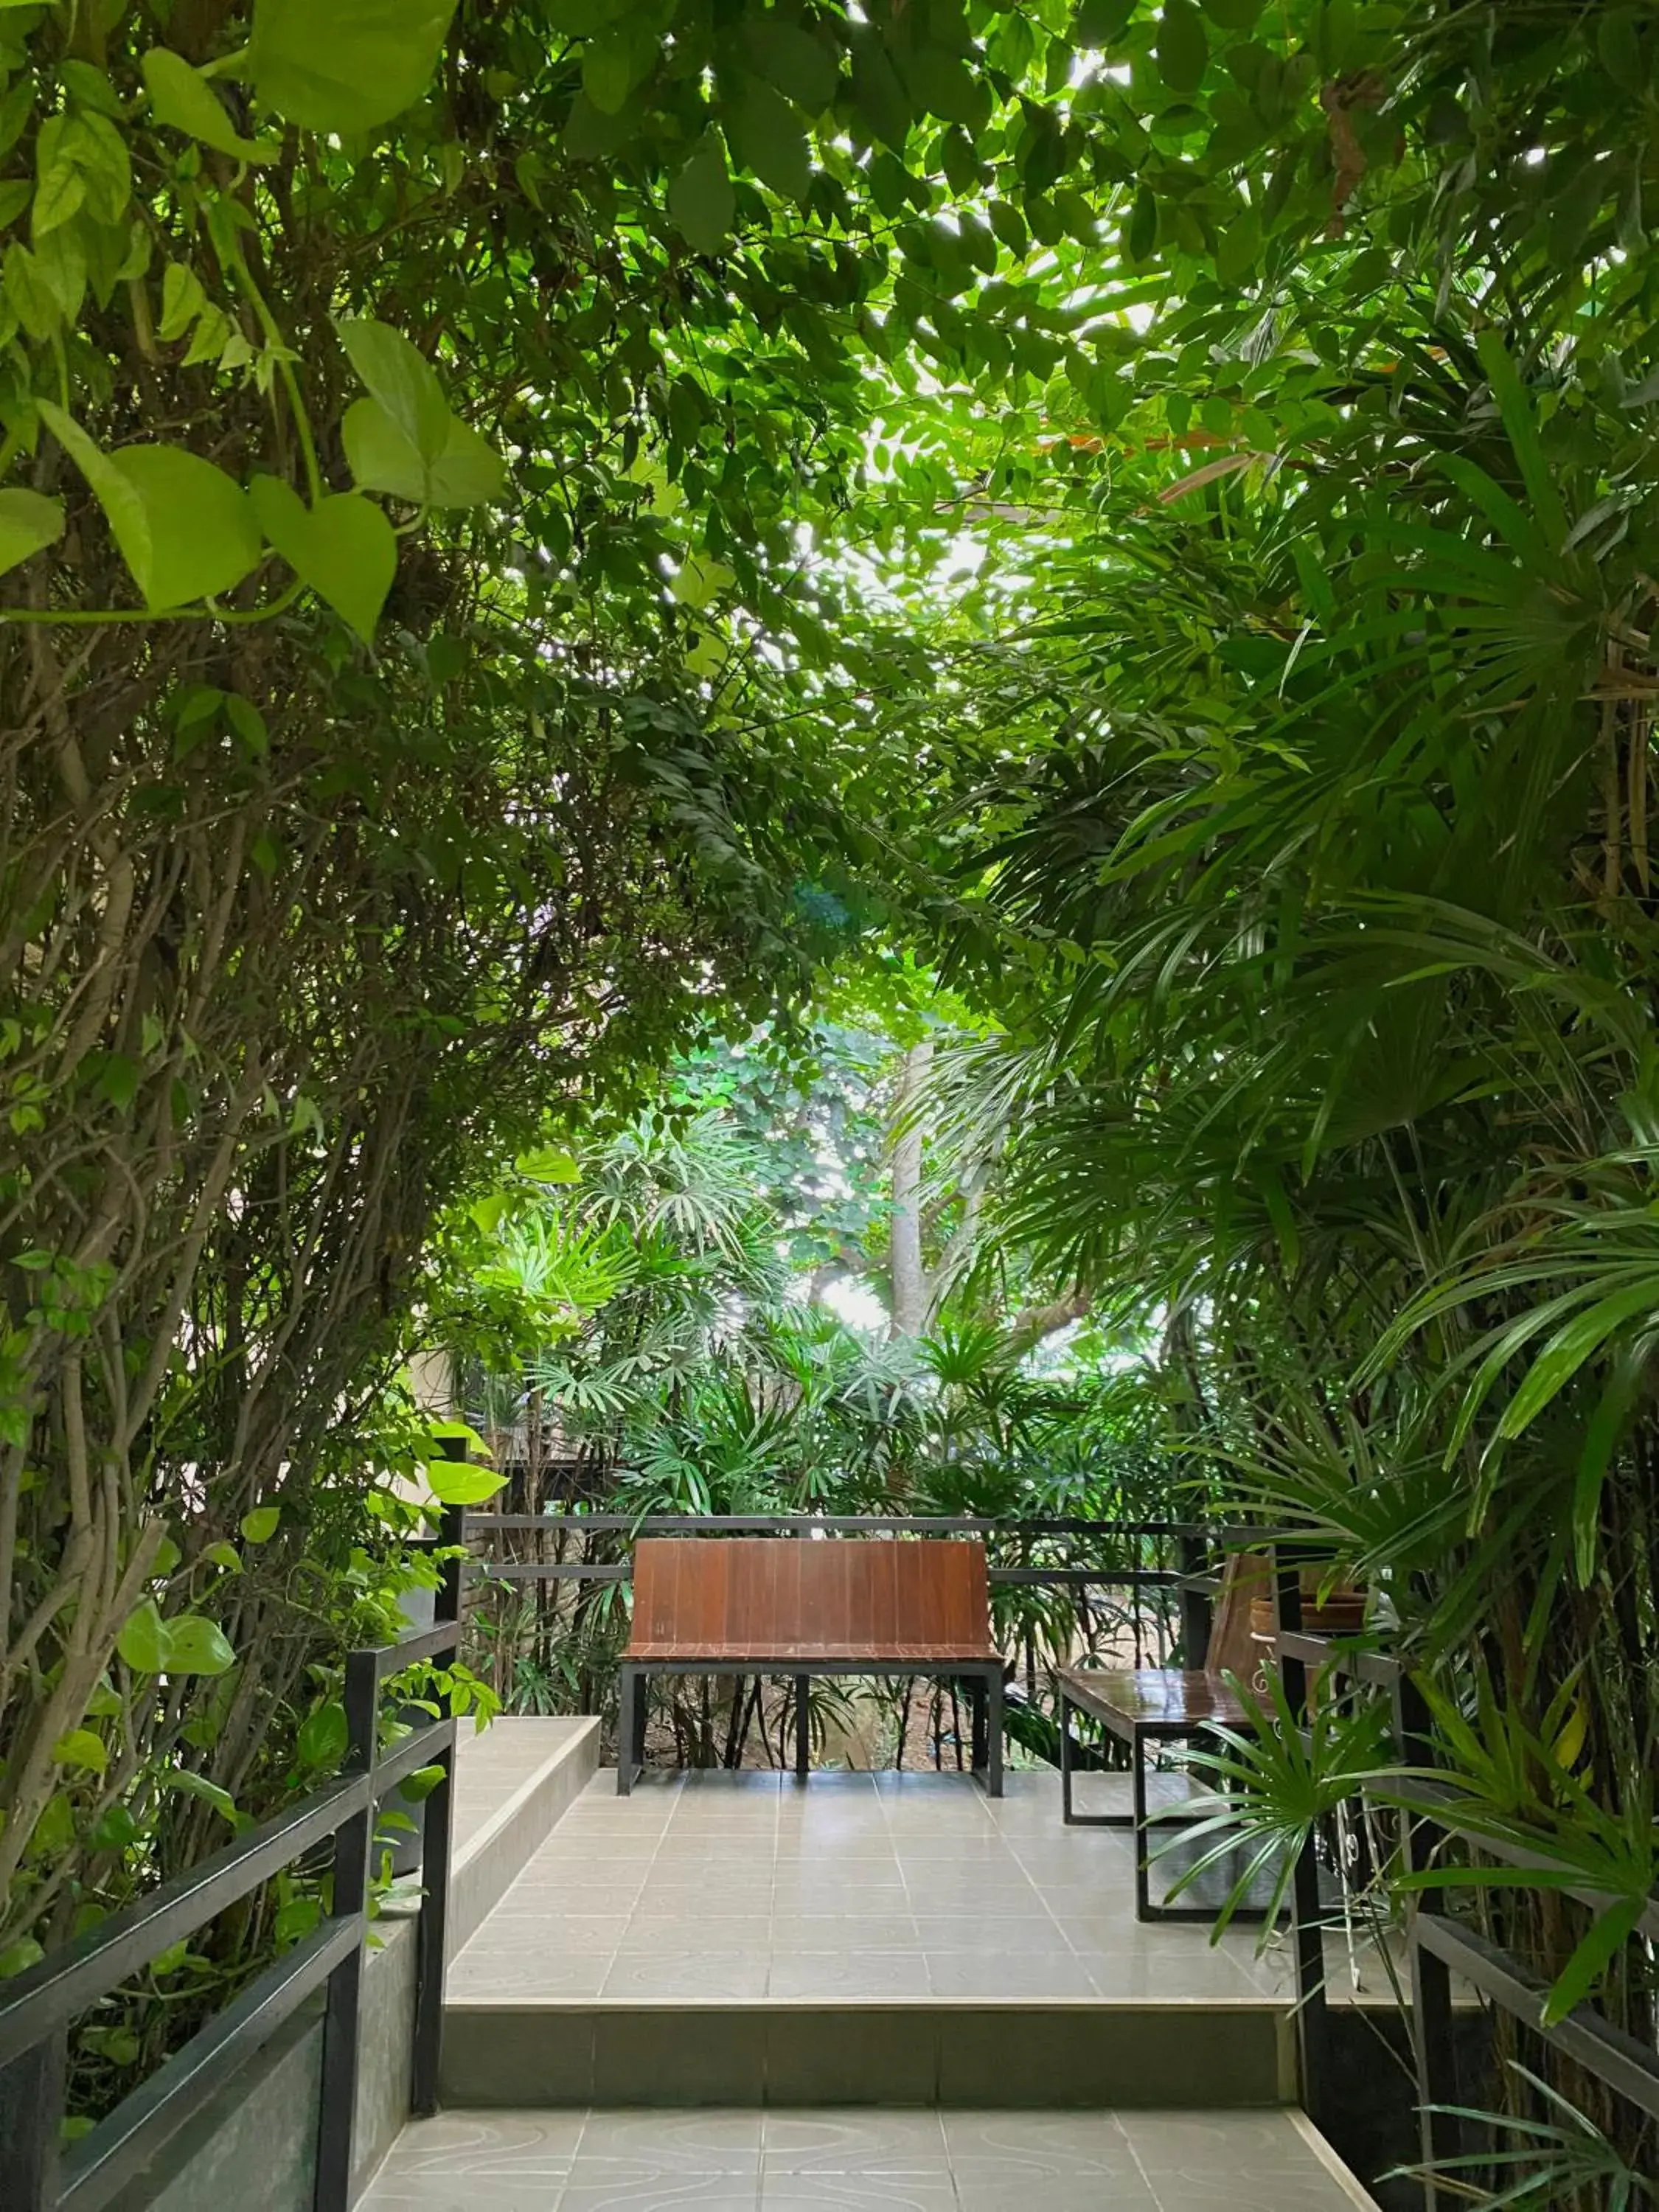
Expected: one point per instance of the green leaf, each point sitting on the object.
(463, 1430)
(880, 102)
(345, 65)
(297, 1918)
(344, 548)
(323, 1736)
(60, 186)
(768, 137)
(182, 301)
(616, 61)
(788, 56)
(29, 294)
(467, 472)
(548, 1163)
(116, 1831)
(185, 529)
(187, 1784)
(1233, 14)
(1183, 46)
(1099, 23)
(397, 373)
(28, 523)
(1142, 235)
(17, 1958)
(196, 1645)
(223, 1555)
(82, 1748)
(1608, 1935)
(184, 100)
(421, 1783)
(260, 1526)
(943, 85)
(700, 198)
(142, 1642)
(453, 1482)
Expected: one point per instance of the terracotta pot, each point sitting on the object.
(1343, 1613)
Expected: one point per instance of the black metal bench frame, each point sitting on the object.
(1142, 1820)
(984, 1678)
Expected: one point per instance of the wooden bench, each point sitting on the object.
(1146, 1705)
(807, 1606)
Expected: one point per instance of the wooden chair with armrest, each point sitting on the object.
(1145, 1706)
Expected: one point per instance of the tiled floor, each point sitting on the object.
(709, 1888)
(899, 2161)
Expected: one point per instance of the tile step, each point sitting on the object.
(1173, 2056)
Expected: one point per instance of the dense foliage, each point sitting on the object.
(526, 531)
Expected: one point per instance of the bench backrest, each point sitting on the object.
(1247, 1576)
(750, 1598)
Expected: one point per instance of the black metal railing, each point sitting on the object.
(38, 2173)
(1439, 1946)
(1169, 1578)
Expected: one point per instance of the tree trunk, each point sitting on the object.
(909, 1276)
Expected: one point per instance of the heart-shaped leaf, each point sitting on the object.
(185, 529)
(452, 1482)
(344, 548)
(345, 65)
(466, 472)
(28, 522)
(183, 98)
(397, 373)
(196, 1645)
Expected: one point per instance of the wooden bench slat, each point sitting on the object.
(1157, 1696)
(750, 1599)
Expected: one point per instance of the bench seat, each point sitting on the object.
(807, 1606)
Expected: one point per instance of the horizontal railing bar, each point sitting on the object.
(121, 2148)
(1603, 2049)
(417, 1750)
(1091, 1577)
(577, 1570)
(1439, 1801)
(408, 1650)
(1373, 1667)
(667, 1523)
(62, 1986)
(580, 1570)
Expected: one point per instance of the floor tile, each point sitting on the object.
(602, 2185)
(709, 1977)
(984, 1976)
(848, 1974)
(854, 2141)
(705, 2142)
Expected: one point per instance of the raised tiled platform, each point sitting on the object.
(739, 1939)
(513, 1781)
(774, 2162)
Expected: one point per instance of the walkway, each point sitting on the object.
(886, 2161)
(878, 1991)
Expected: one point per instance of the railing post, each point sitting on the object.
(31, 2118)
(431, 1930)
(1307, 1931)
(1433, 2045)
(1197, 1613)
(336, 2122)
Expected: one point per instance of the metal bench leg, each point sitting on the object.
(628, 1698)
(803, 1728)
(1143, 1878)
(980, 1751)
(993, 1725)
